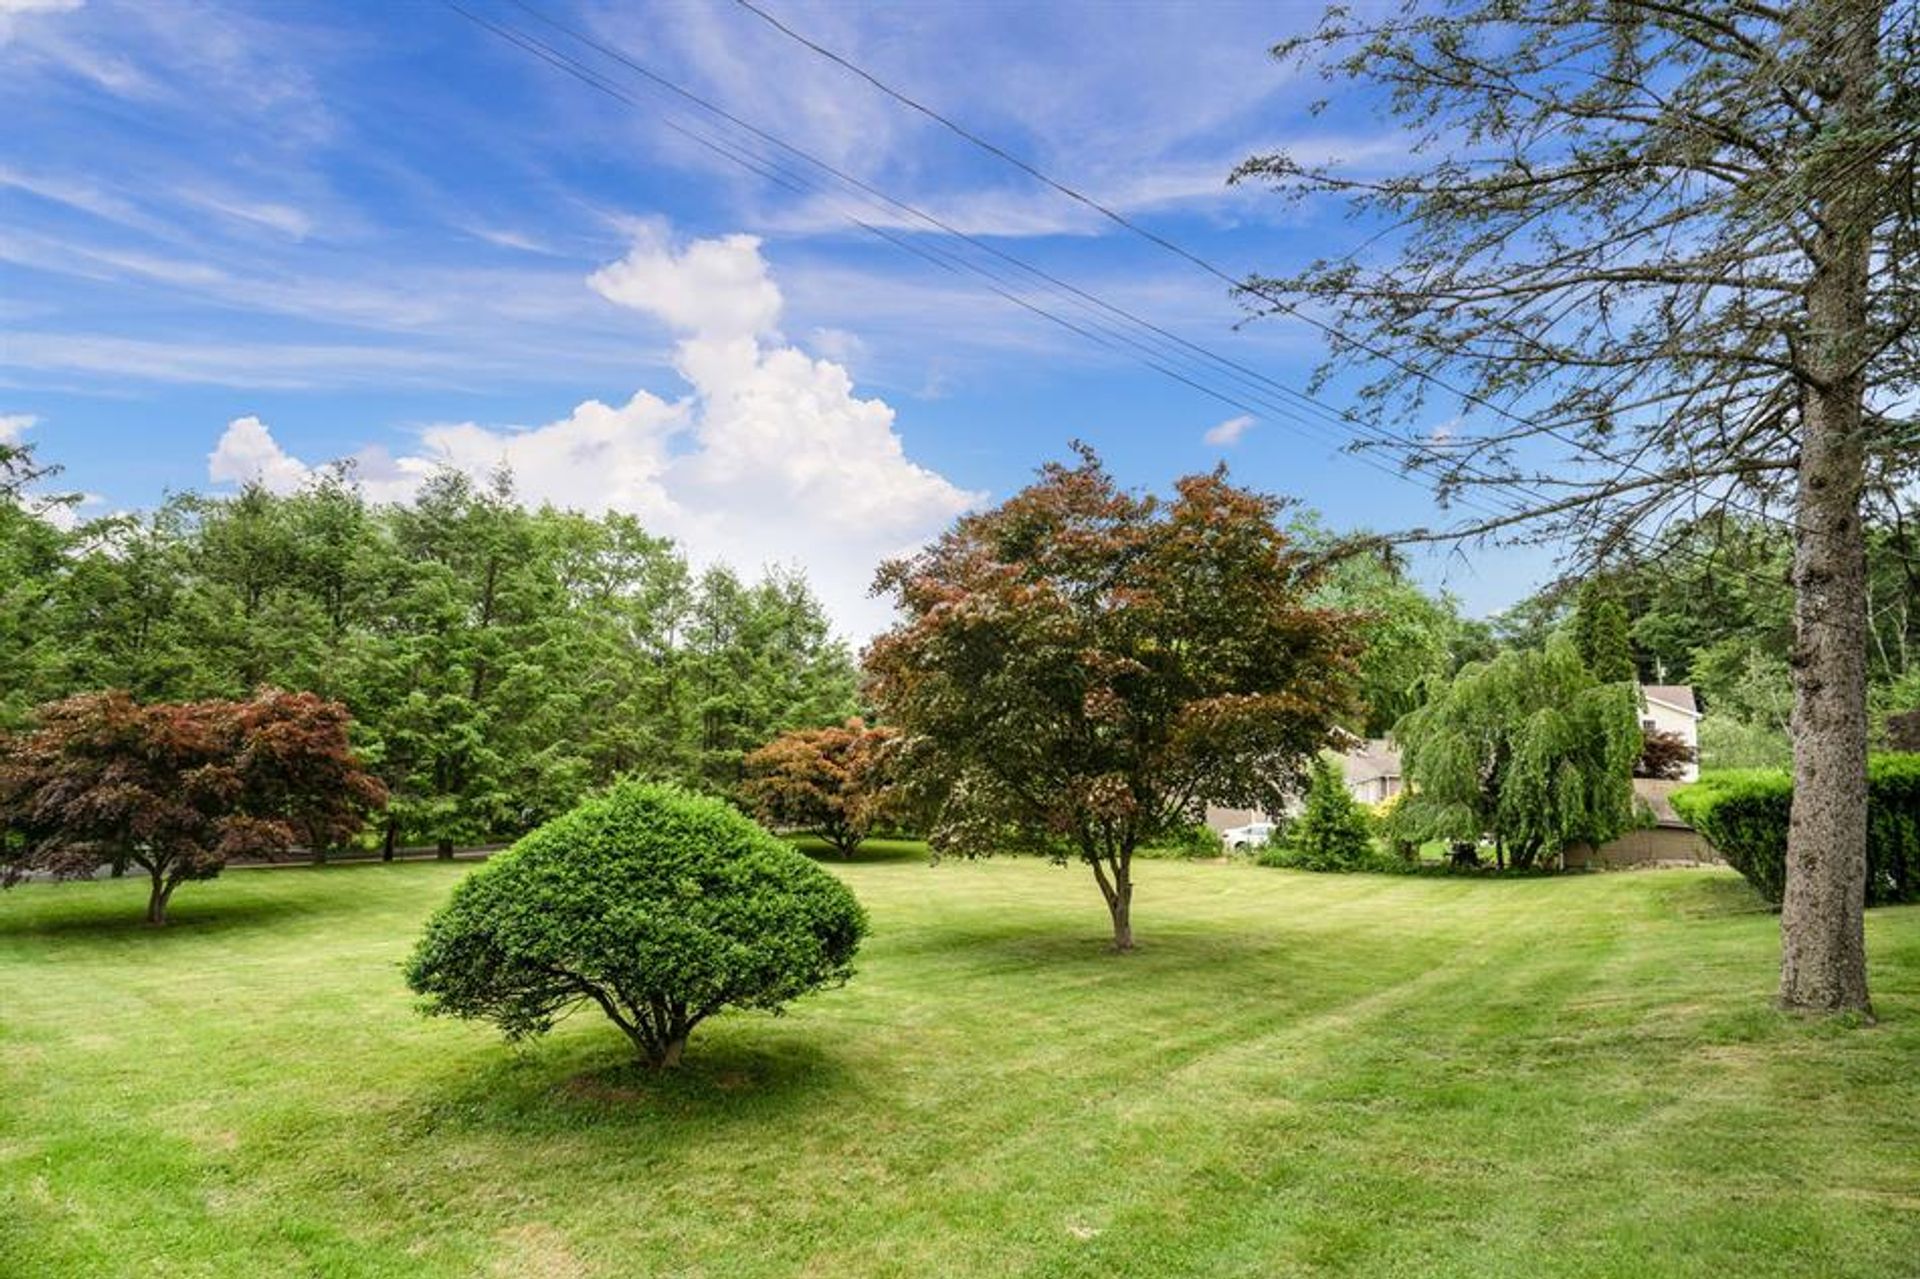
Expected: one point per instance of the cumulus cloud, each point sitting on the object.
(715, 288)
(771, 457)
(247, 453)
(15, 425)
(1227, 434)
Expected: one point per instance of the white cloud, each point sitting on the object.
(1228, 433)
(14, 425)
(289, 221)
(772, 457)
(247, 452)
(11, 11)
(716, 288)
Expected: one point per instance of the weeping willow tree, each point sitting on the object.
(1528, 749)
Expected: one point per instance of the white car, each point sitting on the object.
(1253, 835)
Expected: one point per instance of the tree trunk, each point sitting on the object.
(390, 841)
(1120, 901)
(670, 1053)
(445, 851)
(1823, 952)
(157, 900)
(1121, 907)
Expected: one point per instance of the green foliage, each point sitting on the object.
(1744, 816)
(1332, 833)
(1600, 633)
(1727, 742)
(1408, 637)
(659, 906)
(1528, 749)
(499, 662)
(1194, 841)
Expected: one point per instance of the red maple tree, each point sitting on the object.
(177, 789)
(833, 781)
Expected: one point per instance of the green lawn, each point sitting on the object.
(1295, 1074)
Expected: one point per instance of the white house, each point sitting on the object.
(1371, 767)
(1671, 708)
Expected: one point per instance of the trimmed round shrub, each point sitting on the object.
(657, 906)
(1744, 813)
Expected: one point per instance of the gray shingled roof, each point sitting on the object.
(1371, 759)
(1672, 694)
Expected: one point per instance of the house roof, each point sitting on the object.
(1678, 696)
(1371, 760)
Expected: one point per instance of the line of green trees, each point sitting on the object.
(1711, 605)
(500, 663)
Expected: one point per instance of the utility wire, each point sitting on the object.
(1350, 421)
(1278, 301)
(764, 169)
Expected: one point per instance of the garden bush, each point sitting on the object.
(1193, 841)
(1332, 833)
(1743, 814)
(658, 906)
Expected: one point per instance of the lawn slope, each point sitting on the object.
(1295, 1074)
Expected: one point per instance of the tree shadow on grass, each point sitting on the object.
(120, 916)
(1167, 948)
(870, 852)
(737, 1077)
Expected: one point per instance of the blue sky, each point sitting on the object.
(243, 239)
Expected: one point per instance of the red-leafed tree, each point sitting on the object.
(1081, 669)
(1663, 755)
(177, 790)
(835, 781)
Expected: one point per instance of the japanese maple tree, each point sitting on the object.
(177, 789)
(835, 782)
(1081, 669)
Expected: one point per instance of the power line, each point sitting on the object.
(785, 179)
(771, 171)
(1355, 424)
(1277, 301)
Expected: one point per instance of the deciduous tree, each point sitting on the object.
(836, 782)
(1082, 668)
(1528, 750)
(178, 790)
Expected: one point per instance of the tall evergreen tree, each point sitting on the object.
(1600, 633)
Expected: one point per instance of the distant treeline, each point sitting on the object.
(499, 662)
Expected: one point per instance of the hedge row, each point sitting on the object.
(1743, 814)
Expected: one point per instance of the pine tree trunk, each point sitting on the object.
(1823, 954)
